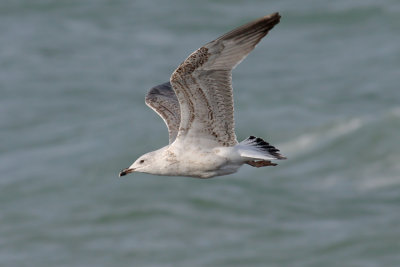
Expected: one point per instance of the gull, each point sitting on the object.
(197, 107)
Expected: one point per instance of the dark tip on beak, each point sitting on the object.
(125, 172)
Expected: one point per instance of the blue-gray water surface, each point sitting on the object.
(323, 87)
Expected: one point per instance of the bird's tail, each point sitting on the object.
(256, 152)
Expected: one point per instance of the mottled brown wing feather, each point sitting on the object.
(203, 83)
(163, 101)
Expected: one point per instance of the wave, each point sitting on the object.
(309, 141)
(361, 152)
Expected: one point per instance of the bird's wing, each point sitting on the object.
(163, 101)
(203, 83)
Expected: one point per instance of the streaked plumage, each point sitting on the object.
(197, 106)
(162, 99)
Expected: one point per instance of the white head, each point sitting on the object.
(148, 163)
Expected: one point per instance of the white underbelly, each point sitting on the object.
(207, 163)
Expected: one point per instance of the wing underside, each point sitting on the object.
(163, 101)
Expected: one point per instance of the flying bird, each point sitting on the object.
(197, 107)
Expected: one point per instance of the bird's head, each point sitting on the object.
(148, 163)
(142, 164)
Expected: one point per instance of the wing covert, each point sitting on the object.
(203, 83)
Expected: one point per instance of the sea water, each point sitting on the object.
(323, 87)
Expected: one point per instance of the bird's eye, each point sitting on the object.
(141, 161)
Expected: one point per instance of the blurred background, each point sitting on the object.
(323, 87)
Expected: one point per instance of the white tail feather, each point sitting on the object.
(254, 148)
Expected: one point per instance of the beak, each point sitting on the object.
(126, 171)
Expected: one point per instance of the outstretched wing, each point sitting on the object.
(163, 101)
(203, 83)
